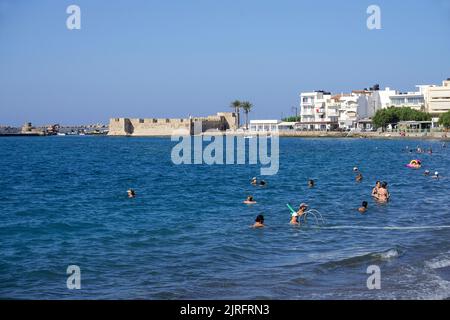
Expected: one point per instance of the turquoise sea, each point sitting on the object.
(186, 235)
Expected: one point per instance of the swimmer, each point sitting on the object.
(359, 177)
(310, 183)
(301, 211)
(375, 189)
(436, 175)
(262, 183)
(426, 173)
(363, 207)
(131, 193)
(254, 181)
(355, 169)
(259, 222)
(250, 200)
(383, 193)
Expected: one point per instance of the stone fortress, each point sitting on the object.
(221, 122)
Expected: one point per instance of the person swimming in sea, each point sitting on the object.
(363, 207)
(310, 183)
(436, 175)
(359, 177)
(297, 215)
(426, 173)
(250, 200)
(131, 193)
(259, 222)
(262, 183)
(375, 189)
(254, 181)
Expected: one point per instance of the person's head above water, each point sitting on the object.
(260, 219)
(355, 169)
(303, 206)
(262, 183)
(363, 207)
(311, 183)
(131, 193)
(250, 198)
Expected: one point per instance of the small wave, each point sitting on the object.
(440, 262)
(390, 254)
(364, 258)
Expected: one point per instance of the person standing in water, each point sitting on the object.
(383, 193)
(297, 215)
(376, 188)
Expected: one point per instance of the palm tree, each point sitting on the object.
(247, 107)
(236, 105)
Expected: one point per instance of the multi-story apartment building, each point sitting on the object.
(317, 111)
(437, 98)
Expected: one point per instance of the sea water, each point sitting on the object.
(186, 235)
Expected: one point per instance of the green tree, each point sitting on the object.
(237, 105)
(393, 115)
(292, 119)
(444, 120)
(247, 107)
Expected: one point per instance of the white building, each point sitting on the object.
(348, 109)
(414, 100)
(437, 98)
(264, 126)
(318, 111)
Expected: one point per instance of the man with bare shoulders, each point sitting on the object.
(383, 193)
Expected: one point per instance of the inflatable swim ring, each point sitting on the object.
(415, 164)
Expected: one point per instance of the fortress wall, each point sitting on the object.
(166, 127)
(158, 127)
(117, 127)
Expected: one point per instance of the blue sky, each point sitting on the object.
(173, 58)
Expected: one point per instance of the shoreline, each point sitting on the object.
(302, 134)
